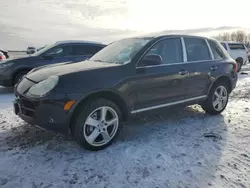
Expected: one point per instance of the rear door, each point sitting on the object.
(200, 65)
(204, 63)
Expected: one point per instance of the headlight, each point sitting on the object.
(5, 65)
(43, 87)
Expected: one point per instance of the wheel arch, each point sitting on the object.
(240, 59)
(106, 94)
(18, 71)
(223, 78)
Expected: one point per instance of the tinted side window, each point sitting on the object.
(85, 49)
(197, 49)
(217, 52)
(58, 51)
(94, 49)
(170, 50)
(78, 50)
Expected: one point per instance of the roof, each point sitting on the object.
(170, 35)
(78, 41)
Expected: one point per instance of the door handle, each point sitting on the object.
(183, 72)
(213, 68)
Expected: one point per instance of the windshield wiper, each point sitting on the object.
(98, 60)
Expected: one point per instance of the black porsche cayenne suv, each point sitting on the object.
(90, 100)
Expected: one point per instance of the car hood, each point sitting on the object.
(20, 59)
(60, 69)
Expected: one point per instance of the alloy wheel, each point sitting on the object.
(101, 126)
(220, 98)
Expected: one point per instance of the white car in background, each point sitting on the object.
(238, 51)
(31, 50)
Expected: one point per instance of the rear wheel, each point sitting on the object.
(97, 124)
(217, 99)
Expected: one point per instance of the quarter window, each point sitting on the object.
(170, 50)
(217, 52)
(197, 49)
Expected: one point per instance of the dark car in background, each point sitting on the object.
(63, 51)
(90, 100)
(31, 50)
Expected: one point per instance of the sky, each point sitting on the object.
(35, 22)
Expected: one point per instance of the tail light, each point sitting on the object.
(2, 57)
(236, 66)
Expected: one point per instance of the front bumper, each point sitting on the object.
(48, 115)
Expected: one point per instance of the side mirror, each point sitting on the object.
(48, 57)
(152, 59)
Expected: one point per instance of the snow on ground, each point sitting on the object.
(164, 150)
(6, 97)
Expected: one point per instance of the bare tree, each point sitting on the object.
(240, 36)
(217, 37)
(233, 36)
(226, 37)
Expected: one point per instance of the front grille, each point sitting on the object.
(28, 104)
(27, 107)
(27, 112)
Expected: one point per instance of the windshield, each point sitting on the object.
(121, 51)
(43, 50)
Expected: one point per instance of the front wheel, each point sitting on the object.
(97, 124)
(217, 99)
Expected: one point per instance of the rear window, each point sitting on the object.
(235, 46)
(217, 52)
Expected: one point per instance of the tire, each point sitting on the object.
(91, 137)
(18, 76)
(209, 106)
